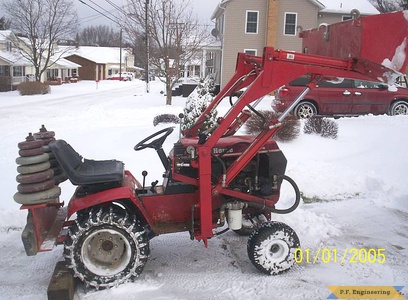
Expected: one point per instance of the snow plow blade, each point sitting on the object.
(359, 38)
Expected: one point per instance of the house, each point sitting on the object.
(98, 63)
(249, 26)
(12, 65)
(16, 67)
(62, 70)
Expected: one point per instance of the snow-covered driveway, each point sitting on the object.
(356, 186)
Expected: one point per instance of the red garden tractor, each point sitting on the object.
(213, 179)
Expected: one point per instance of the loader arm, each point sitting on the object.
(261, 76)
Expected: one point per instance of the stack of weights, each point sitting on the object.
(36, 177)
(46, 137)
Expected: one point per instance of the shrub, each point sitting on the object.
(165, 118)
(321, 126)
(5, 84)
(33, 88)
(289, 131)
(196, 104)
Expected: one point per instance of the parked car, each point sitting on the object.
(342, 97)
(124, 76)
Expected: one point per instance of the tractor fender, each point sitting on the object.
(126, 191)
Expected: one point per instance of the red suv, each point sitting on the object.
(344, 97)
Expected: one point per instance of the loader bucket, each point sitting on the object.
(382, 39)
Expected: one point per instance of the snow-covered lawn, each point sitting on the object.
(356, 184)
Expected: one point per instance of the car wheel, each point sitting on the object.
(399, 108)
(305, 110)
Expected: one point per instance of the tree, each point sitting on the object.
(175, 35)
(390, 5)
(101, 35)
(4, 23)
(42, 24)
(196, 104)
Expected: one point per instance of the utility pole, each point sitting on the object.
(120, 56)
(147, 45)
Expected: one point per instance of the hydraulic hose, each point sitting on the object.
(282, 211)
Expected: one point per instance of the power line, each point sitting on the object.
(99, 12)
(116, 7)
(106, 11)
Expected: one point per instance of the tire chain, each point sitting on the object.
(94, 218)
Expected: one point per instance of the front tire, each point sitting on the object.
(272, 247)
(249, 224)
(106, 247)
(399, 108)
(305, 110)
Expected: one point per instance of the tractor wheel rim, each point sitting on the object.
(278, 251)
(106, 252)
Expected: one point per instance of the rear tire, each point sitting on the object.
(305, 110)
(399, 108)
(271, 248)
(106, 247)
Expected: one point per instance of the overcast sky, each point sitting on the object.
(203, 8)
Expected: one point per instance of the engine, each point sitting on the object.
(261, 176)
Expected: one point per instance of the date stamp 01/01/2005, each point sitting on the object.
(348, 255)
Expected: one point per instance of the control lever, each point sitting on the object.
(153, 185)
(181, 116)
(144, 174)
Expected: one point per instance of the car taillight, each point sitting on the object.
(283, 92)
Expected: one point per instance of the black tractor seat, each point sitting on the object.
(84, 171)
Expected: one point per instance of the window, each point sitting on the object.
(250, 51)
(290, 23)
(8, 46)
(345, 83)
(345, 18)
(17, 71)
(251, 22)
(368, 85)
(52, 74)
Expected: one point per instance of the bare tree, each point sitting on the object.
(390, 5)
(174, 33)
(42, 24)
(4, 23)
(101, 35)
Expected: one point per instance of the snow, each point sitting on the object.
(95, 54)
(397, 61)
(345, 6)
(355, 185)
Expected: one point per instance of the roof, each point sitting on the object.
(346, 6)
(4, 34)
(14, 58)
(99, 55)
(65, 63)
(220, 5)
(317, 3)
(328, 6)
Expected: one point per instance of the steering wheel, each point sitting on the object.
(157, 143)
